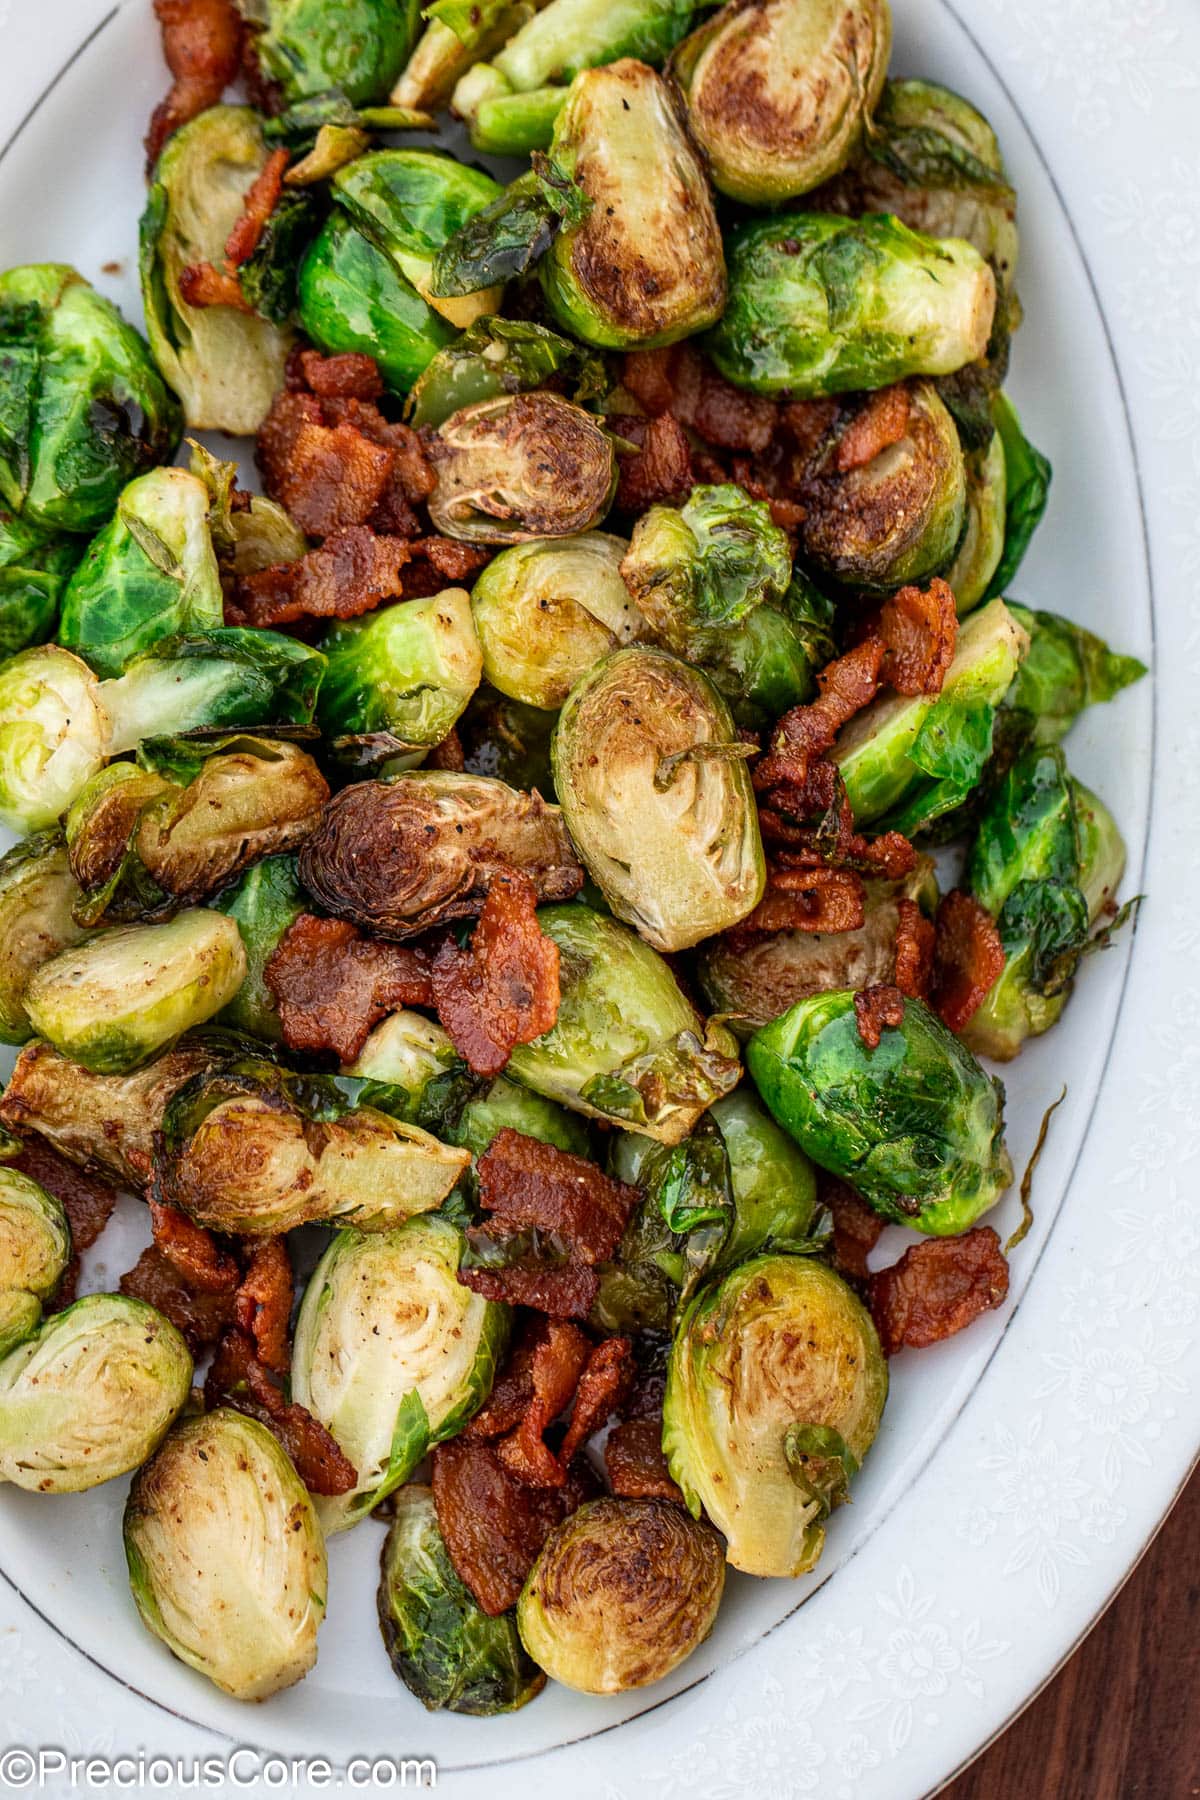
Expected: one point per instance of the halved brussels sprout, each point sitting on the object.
(226, 365)
(978, 555)
(501, 356)
(896, 519)
(352, 297)
(252, 1149)
(442, 1645)
(358, 46)
(821, 305)
(504, 1106)
(1065, 669)
(626, 1047)
(397, 680)
(38, 894)
(622, 1592)
(413, 1058)
(915, 1124)
(54, 735)
(913, 759)
(778, 93)
(83, 408)
(35, 567)
(392, 1353)
(226, 1559)
(546, 611)
(20, 1314)
(35, 1238)
(644, 265)
(775, 1388)
(151, 573)
(525, 466)
(263, 903)
(117, 1000)
(224, 678)
(458, 34)
(753, 983)
(656, 796)
(774, 1184)
(90, 1395)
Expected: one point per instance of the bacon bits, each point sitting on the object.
(332, 985)
(262, 1305)
(503, 990)
(801, 897)
(635, 1464)
(879, 423)
(968, 958)
(353, 572)
(348, 376)
(919, 632)
(257, 207)
(660, 471)
(937, 1288)
(558, 1358)
(202, 45)
(200, 1316)
(857, 1227)
(846, 685)
(914, 950)
(876, 1010)
(680, 381)
(192, 1250)
(203, 284)
(238, 1379)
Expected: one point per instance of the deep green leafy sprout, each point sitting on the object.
(226, 1559)
(819, 305)
(1027, 487)
(398, 679)
(896, 519)
(212, 680)
(38, 896)
(35, 566)
(352, 297)
(978, 555)
(82, 407)
(240, 1153)
(115, 1001)
(767, 661)
(502, 356)
(653, 784)
(262, 903)
(357, 47)
(781, 1347)
(442, 1645)
(150, 573)
(815, 72)
(547, 611)
(525, 466)
(226, 365)
(392, 1353)
(622, 1592)
(915, 1124)
(753, 982)
(90, 1395)
(1065, 669)
(506, 239)
(774, 1183)
(644, 265)
(626, 1047)
(909, 760)
(35, 1246)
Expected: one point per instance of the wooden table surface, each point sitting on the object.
(1122, 1720)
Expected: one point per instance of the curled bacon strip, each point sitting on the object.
(262, 1305)
(193, 1250)
(261, 198)
(877, 1009)
(602, 1387)
(332, 985)
(937, 1288)
(659, 471)
(968, 958)
(919, 631)
(879, 423)
(559, 1357)
(914, 950)
(238, 1379)
(201, 1317)
(846, 685)
(503, 990)
(202, 44)
(352, 572)
(634, 1461)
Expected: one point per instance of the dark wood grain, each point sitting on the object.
(1122, 1720)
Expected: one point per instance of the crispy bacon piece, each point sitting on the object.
(449, 754)
(349, 375)
(813, 819)
(453, 563)
(352, 572)
(636, 1466)
(919, 631)
(857, 1227)
(260, 201)
(807, 422)
(512, 1389)
(202, 45)
(881, 422)
(876, 1008)
(201, 1317)
(494, 1524)
(525, 1183)
(560, 1290)
(262, 1305)
(193, 1250)
(914, 950)
(806, 899)
(968, 958)
(602, 1387)
(558, 1360)
(681, 381)
(846, 685)
(238, 1379)
(203, 284)
(503, 990)
(661, 470)
(332, 985)
(327, 477)
(937, 1288)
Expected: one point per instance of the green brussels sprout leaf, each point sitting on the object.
(1027, 490)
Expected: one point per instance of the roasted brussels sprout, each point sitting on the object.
(250, 1148)
(626, 1047)
(1046, 860)
(914, 1124)
(1027, 487)
(494, 357)
(225, 364)
(38, 894)
(441, 1643)
(978, 555)
(1065, 669)
(392, 1353)
(90, 1395)
(399, 856)
(775, 1388)
(898, 518)
(151, 573)
(654, 789)
(357, 47)
(353, 297)
(83, 408)
(819, 305)
(263, 903)
(35, 1245)
(774, 1184)
(644, 264)
(226, 1559)
(117, 1000)
(778, 93)
(508, 741)
(754, 982)
(913, 759)
(504, 1106)
(20, 1314)
(54, 735)
(410, 1069)
(456, 37)
(546, 611)
(622, 1592)
(35, 567)
(398, 679)
(525, 466)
